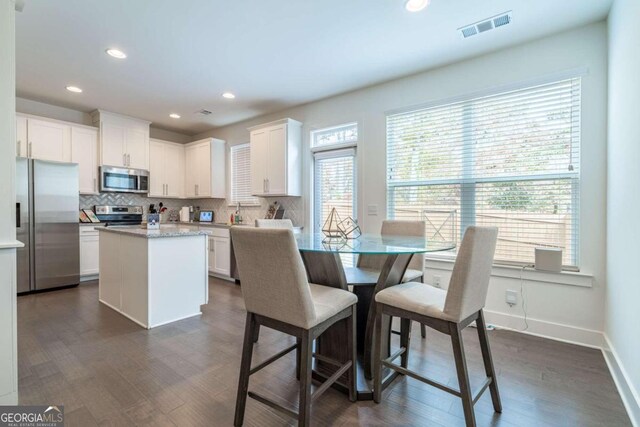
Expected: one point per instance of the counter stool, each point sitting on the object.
(277, 295)
(448, 312)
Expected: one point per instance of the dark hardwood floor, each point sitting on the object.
(106, 370)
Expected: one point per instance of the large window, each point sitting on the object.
(510, 160)
(241, 176)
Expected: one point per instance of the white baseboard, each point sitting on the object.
(630, 396)
(9, 399)
(551, 330)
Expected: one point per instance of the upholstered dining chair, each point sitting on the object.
(448, 312)
(368, 267)
(274, 223)
(277, 295)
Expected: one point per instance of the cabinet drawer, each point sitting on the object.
(217, 231)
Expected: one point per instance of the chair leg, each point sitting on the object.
(256, 334)
(488, 362)
(306, 353)
(423, 331)
(298, 359)
(377, 355)
(405, 340)
(353, 371)
(245, 366)
(463, 374)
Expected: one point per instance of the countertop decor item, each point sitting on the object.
(349, 228)
(331, 229)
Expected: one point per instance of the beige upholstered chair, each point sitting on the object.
(369, 266)
(448, 312)
(277, 295)
(274, 223)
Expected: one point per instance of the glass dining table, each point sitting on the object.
(322, 259)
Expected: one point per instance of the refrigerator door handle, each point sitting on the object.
(18, 216)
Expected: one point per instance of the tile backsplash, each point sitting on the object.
(294, 206)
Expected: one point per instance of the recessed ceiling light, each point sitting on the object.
(416, 5)
(116, 53)
(228, 95)
(174, 116)
(74, 89)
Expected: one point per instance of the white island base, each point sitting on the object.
(153, 277)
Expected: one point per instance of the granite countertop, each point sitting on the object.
(164, 231)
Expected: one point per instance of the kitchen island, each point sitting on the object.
(154, 277)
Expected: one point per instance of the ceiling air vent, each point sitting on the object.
(203, 112)
(486, 25)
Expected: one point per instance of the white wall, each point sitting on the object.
(623, 199)
(28, 106)
(8, 343)
(567, 312)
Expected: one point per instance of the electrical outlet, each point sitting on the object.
(511, 297)
(372, 210)
(436, 281)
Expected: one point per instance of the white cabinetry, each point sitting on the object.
(124, 141)
(166, 169)
(276, 161)
(89, 252)
(48, 140)
(84, 152)
(21, 136)
(219, 252)
(205, 167)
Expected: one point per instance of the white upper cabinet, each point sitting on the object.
(21, 136)
(166, 169)
(205, 167)
(84, 152)
(276, 162)
(124, 141)
(48, 140)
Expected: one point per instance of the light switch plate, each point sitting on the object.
(372, 210)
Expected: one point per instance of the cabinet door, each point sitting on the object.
(137, 148)
(191, 165)
(84, 152)
(157, 170)
(49, 140)
(221, 256)
(174, 170)
(204, 169)
(259, 151)
(277, 160)
(21, 136)
(89, 253)
(112, 144)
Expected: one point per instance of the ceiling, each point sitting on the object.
(272, 54)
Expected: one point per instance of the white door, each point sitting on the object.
(49, 140)
(21, 136)
(173, 170)
(221, 256)
(277, 160)
(137, 148)
(157, 171)
(259, 152)
(89, 252)
(112, 144)
(191, 165)
(84, 152)
(204, 169)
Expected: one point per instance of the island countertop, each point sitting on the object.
(164, 231)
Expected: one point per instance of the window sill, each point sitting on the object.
(569, 278)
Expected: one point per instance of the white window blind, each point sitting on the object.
(241, 176)
(510, 160)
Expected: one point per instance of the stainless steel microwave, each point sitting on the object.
(123, 180)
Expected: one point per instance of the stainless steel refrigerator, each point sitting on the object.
(47, 204)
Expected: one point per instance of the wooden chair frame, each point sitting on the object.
(452, 329)
(305, 355)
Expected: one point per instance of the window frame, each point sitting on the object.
(233, 202)
(467, 208)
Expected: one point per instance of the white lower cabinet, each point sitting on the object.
(220, 252)
(89, 252)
